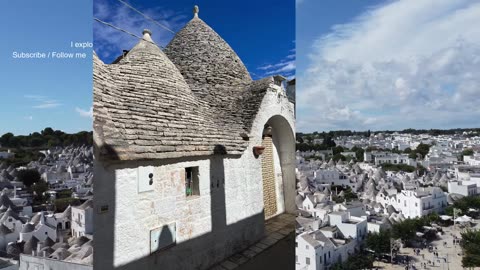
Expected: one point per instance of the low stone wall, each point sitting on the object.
(41, 263)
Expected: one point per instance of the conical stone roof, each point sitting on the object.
(206, 60)
(144, 109)
(202, 103)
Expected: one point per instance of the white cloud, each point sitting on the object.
(404, 64)
(285, 67)
(47, 105)
(43, 102)
(110, 42)
(85, 113)
(30, 118)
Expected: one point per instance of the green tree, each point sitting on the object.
(28, 177)
(62, 203)
(471, 246)
(421, 170)
(39, 188)
(350, 195)
(355, 262)
(338, 157)
(405, 230)
(467, 152)
(5, 139)
(359, 152)
(329, 142)
(47, 131)
(423, 149)
(379, 242)
(337, 150)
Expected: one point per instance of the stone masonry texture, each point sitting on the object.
(268, 176)
(185, 102)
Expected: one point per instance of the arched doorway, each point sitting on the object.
(278, 167)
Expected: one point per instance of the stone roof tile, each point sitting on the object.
(147, 107)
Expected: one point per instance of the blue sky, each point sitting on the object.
(387, 64)
(39, 93)
(262, 33)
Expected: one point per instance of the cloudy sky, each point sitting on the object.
(40, 93)
(262, 36)
(388, 64)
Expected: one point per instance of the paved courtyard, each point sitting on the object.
(449, 255)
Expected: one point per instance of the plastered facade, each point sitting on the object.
(226, 217)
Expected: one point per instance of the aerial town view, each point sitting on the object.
(46, 199)
(388, 138)
(387, 199)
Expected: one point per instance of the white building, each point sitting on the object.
(214, 154)
(421, 202)
(348, 154)
(376, 224)
(465, 188)
(82, 219)
(473, 160)
(468, 173)
(5, 155)
(349, 226)
(321, 249)
(333, 177)
(378, 158)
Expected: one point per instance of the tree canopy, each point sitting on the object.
(379, 242)
(471, 246)
(28, 177)
(46, 138)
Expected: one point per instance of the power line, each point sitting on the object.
(124, 31)
(146, 16)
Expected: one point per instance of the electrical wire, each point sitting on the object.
(146, 16)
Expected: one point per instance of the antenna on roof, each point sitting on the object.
(195, 11)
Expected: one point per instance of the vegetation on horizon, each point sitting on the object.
(434, 132)
(26, 147)
(46, 138)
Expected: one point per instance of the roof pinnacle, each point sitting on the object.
(147, 35)
(195, 11)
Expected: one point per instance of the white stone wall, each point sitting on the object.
(472, 160)
(278, 179)
(122, 233)
(78, 222)
(412, 206)
(321, 257)
(465, 188)
(28, 262)
(373, 227)
(304, 250)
